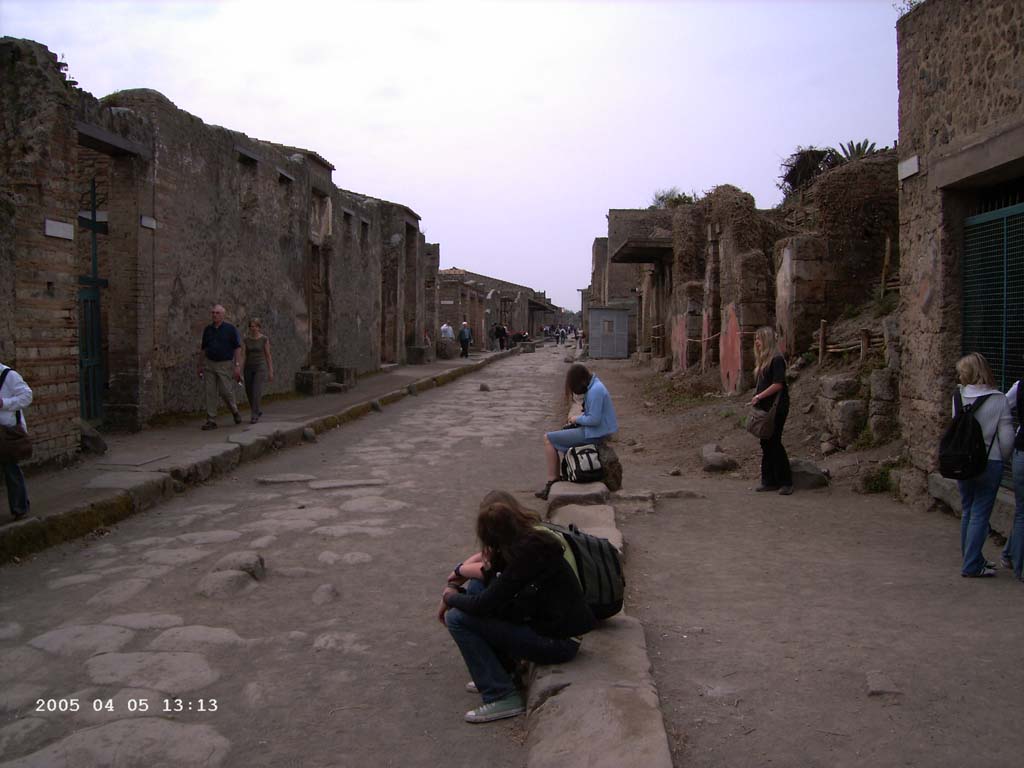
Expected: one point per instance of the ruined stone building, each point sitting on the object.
(126, 218)
(482, 301)
(699, 278)
(961, 194)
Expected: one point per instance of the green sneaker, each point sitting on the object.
(510, 706)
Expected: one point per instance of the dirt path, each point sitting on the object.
(768, 618)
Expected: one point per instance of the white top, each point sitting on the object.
(16, 396)
(994, 417)
(447, 332)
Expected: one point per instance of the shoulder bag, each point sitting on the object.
(761, 424)
(15, 445)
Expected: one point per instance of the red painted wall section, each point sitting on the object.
(729, 350)
(679, 341)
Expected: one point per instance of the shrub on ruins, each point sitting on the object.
(670, 198)
(804, 166)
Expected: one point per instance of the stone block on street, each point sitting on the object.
(807, 475)
(247, 561)
(221, 584)
(611, 465)
(884, 385)
(563, 493)
(286, 477)
(879, 684)
(324, 594)
(714, 460)
(585, 516)
(848, 421)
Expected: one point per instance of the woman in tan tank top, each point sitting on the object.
(258, 367)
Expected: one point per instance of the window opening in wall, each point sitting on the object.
(364, 233)
(246, 156)
(998, 197)
(607, 326)
(284, 178)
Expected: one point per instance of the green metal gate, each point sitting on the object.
(91, 370)
(993, 291)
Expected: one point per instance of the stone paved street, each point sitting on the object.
(328, 652)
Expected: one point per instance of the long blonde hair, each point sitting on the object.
(768, 350)
(973, 368)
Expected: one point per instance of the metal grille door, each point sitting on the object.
(90, 354)
(993, 296)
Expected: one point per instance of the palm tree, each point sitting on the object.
(856, 150)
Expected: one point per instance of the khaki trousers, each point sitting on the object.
(220, 385)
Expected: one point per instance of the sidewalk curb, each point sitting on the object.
(600, 710)
(134, 492)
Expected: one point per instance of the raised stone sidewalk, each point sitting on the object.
(601, 709)
(143, 469)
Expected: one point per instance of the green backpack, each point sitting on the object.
(598, 569)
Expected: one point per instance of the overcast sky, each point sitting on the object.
(511, 127)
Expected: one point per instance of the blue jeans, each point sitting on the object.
(564, 439)
(977, 496)
(1014, 549)
(17, 493)
(490, 647)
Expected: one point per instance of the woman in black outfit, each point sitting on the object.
(770, 376)
(518, 598)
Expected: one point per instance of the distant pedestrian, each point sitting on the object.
(257, 366)
(978, 494)
(561, 336)
(220, 361)
(770, 383)
(15, 396)
(492, 337)
(447, 332)
(465, 338)
(597, 421)
(501, 332)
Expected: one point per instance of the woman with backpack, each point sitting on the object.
(518, 598)
(978, 493)
(1013, 552)
(595, 423)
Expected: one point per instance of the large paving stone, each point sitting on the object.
(22, 734)
(601, 709)
(373, 505)
(287, 477)
(342, 642)
(324, 594)
(120, 592)
(149, 741)
(188, 638)
(353, 529)
(9, 630)
(585, 516)
(247, 561)
(83, 639)
(171, 672)
(222, 584)
(18, 696)
(209, 537)
(118, 708)
(181, 556)
(563, 493)
(71, 581)
(23, 663)
(145, 620)
(323, 485)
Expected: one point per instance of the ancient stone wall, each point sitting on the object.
(961, 121)
(599, 266)
(38, 145)
(689, 255)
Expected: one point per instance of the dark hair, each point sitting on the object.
(577, 379)
(508, 528)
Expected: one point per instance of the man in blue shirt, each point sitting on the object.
(220, 360)
(465, 338)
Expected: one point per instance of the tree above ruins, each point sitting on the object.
(669, 198)
(804, 166)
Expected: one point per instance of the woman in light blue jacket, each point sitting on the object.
(595, 423)
(978, 494)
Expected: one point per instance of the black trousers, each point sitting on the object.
(465, 347)
(775, 469)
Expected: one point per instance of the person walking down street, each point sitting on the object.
(770, 378)
(220, 361)
(978, 494)
(517, 599)
(597, 421)
(465, 338)
(1013, 552)
(502, 334)
(447, 332)
(257, 366)
(15, 396)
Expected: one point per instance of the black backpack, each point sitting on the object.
(581, 464)
(962, 451)
(600, 571)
